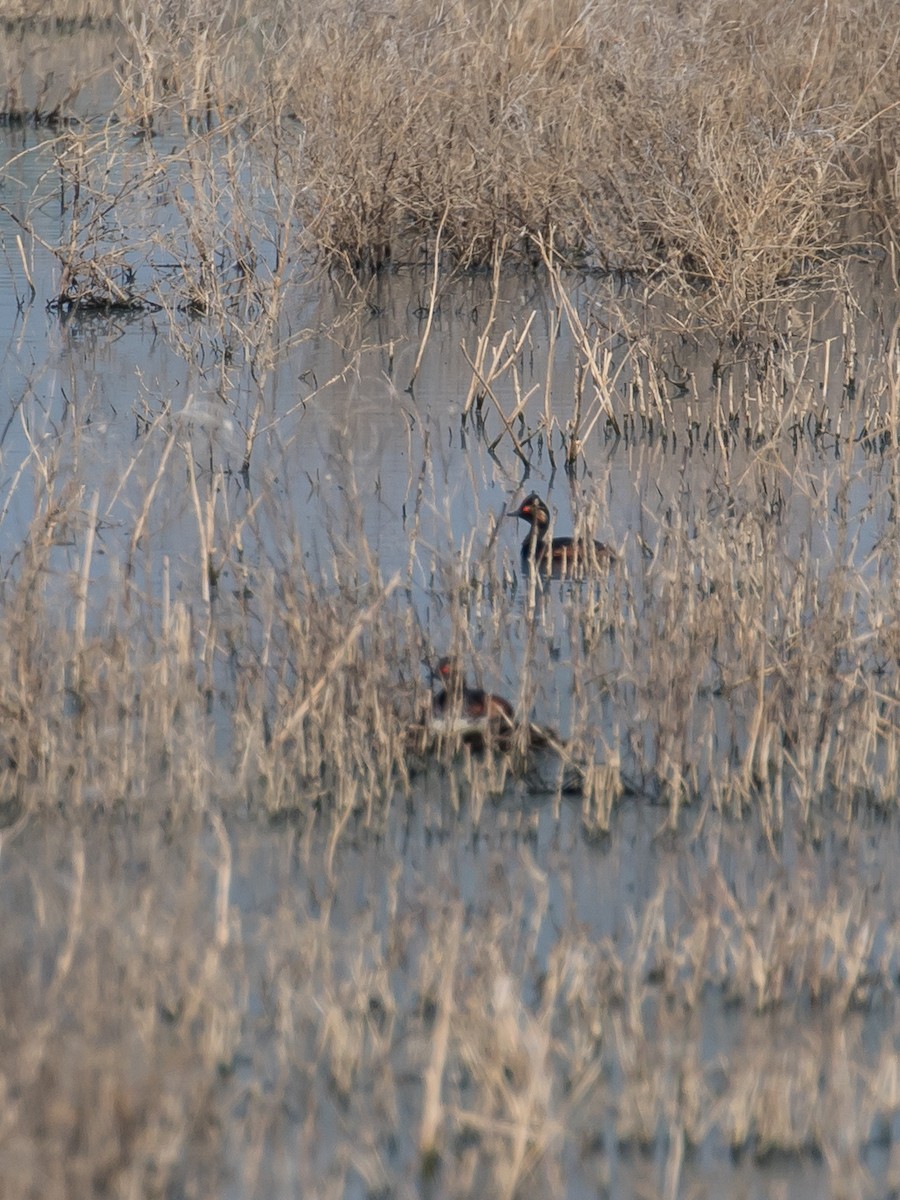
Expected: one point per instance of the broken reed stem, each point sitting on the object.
(84, 579)
(489, 391)
(432, 299)
(521, 405)
(204, 531)
(553, 338)
(485, 336)
(223, 879)
(25, 268)
(588, 348)
(65, 960)
(149, 497)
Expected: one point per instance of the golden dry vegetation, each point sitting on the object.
(713, 185)
(731, 151)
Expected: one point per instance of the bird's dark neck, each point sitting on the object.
(535, 539)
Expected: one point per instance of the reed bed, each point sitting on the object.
(776, 656)
(736, 155)
(166, 713)
(195, 700)
(741, 653)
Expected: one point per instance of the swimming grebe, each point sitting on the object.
(476, 717)
(560, 554)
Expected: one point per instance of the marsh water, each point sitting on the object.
(357, 474)
(527, 877)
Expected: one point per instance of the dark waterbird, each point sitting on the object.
(557, 555)
(480, 719)
(471, 713)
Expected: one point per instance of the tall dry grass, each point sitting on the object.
(741, 655)
(159, 1039)
(735, 150)
(733, 154)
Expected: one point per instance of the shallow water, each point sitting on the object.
(351, 457)
(532, 884)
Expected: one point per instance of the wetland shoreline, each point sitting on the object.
(300, 303)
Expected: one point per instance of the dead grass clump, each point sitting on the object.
(756, 214)
(114, 702)
(334, 708)
(738, 172)
(215, 1009)
(734, 154)
(736, 672)
(415, 124)
(636, 137)
(627, 137)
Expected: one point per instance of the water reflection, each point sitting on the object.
(652, 919)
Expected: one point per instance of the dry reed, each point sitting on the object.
(735, 155)
(734, 677)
